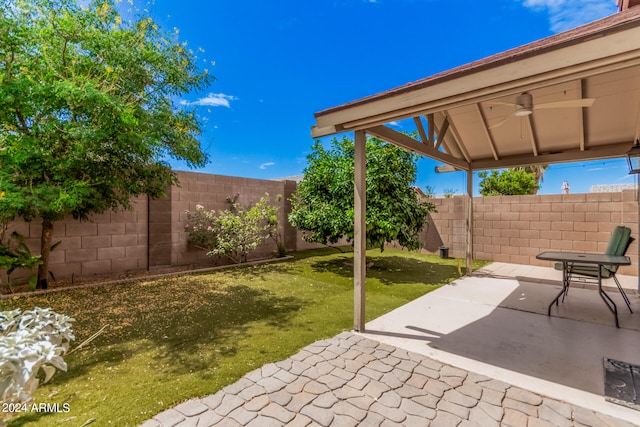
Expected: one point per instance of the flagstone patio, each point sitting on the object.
(480, 351)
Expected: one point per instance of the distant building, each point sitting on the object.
(611, 188)
(296, 178)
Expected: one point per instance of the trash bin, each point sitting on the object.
(444, 252)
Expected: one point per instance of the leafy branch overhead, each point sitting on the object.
(87, 110)
(323, 204)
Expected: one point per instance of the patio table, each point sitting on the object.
(597, 260)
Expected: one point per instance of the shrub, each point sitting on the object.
(15, 254)
(30, 342)
(234, 232)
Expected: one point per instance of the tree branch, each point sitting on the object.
(23, 122)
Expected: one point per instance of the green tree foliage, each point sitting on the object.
(323, 204)
(87, 111)
(538, 171)
(508, 182)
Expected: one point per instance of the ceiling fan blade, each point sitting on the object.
(574, 103)
(507, 104)
(501, 122)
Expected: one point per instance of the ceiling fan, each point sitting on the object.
(524, 106)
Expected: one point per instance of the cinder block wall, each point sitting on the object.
(110, 242)
(152, 234)
(517, 228)
(509, 229)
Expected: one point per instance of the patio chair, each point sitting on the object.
(618, 244)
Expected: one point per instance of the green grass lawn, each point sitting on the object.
(173, 339)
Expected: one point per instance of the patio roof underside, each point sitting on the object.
(466, 116)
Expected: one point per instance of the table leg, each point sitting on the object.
(607, 299)
(565, 287)
(565, 279)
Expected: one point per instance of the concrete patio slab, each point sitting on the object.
(498, 327)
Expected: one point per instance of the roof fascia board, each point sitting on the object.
(489, 93)
(585, 57)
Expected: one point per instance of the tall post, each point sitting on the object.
(359, 231)
(469, 222)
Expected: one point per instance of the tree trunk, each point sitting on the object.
(45, 250)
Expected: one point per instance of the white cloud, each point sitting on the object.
(266, 165)
(212, 100)
(567, 14)
(395, 123)
(625, 177)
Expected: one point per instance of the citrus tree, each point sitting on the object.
(88, 116)
(323, 204)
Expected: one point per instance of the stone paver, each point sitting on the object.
(351, 380)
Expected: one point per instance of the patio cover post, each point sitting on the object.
(469, 221)
(359, 231)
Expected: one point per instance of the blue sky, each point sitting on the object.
(279, 62)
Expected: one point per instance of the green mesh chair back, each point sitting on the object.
(618, 244)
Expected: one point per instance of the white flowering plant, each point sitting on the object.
(31, 342)
(234, 232)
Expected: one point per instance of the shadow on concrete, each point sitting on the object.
(487, 323)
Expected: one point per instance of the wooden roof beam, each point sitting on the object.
(431, 123)
(583, 116)
(637, 137)
(423, 134)
(457, 139)
(487, 134)
(402, 140)
(442, 132)
(611, 151)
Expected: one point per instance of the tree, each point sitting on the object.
(87, 111)
(538, 171)
(507, 182)
(323, 204)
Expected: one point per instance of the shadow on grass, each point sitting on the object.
(393, 269)
(322, 251)
(188, 326)
(184, 325)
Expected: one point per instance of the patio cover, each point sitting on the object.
(466, 116)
